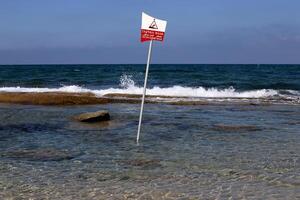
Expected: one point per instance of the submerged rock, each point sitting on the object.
(144, 163)
(40, 155)
(98, 116)
(224, 127)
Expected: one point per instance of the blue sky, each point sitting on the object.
(107, 31)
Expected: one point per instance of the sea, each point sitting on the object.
(241, 143)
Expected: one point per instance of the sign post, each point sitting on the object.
(152, 29)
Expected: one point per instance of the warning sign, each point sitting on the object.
(152, 28)
(153, 25)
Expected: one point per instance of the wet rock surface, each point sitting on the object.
(144, 163)
(29, 128)
(225, 127)
(40, 155)
(98, 116)
(63, 98)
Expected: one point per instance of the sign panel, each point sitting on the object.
(152, 28)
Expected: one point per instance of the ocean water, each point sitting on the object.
(211, 151)
(206, 81)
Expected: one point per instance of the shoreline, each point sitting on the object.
(64, 99)
(57, 98)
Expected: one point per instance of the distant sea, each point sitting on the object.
(232, 150)
(204, 81)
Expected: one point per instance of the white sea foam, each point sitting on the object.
(178, 91)
(127, 86)
(68, 89)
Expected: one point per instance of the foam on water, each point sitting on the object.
(127, 86)
(68, 89)
(178, 91)
(181, 91)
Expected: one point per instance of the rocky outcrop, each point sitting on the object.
(98, 116)
(51, 98)
(40, 155)
(64, 98)
(60, 98)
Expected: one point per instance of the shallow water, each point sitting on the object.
(186, 152)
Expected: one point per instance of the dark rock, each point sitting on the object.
(124, 178)
(40, 155)
(28, 127)
(224, 127)
(98, 116)
(293, 122)
(144, 163)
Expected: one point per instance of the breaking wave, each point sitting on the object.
(175, 91)
(127, 86)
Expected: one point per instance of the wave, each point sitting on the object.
(127, 86)
(180, 91)
(174, 91)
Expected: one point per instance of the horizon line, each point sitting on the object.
(150, 64)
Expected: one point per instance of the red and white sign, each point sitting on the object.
(152, 28)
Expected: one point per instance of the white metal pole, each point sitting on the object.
(144, 92)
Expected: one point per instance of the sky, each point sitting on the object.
(108, 31)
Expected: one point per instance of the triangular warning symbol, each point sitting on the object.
(153, 25)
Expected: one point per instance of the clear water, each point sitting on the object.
(186, 152)
(182, 153)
